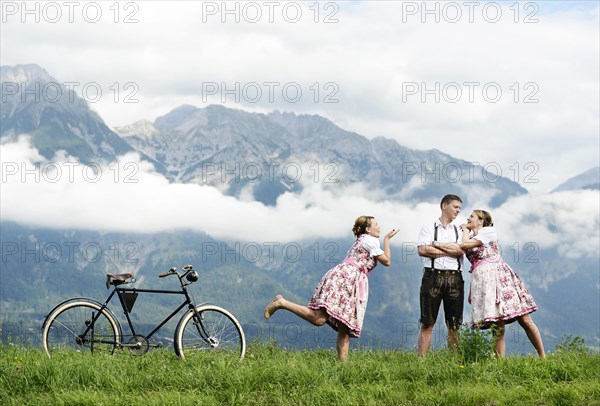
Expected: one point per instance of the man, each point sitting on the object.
(438, 246)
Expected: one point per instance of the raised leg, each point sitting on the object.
(316, 317)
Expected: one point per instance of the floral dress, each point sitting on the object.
(497, 293)
(344, 290)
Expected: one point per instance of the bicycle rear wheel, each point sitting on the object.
(209, 329)
(82, 326)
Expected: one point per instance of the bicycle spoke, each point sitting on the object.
(66, 329)
(211, 329)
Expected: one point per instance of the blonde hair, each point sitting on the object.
(485, 216)
(361, 224)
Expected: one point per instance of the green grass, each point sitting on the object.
(272, 375)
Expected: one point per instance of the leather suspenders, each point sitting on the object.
(435, 239)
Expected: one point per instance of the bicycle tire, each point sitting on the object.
(64, 326)
(217, 331)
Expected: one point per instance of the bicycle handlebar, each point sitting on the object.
(187, 270)
(172, 271)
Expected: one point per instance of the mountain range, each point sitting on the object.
(238, 152)
(229, 149)
(588, 180)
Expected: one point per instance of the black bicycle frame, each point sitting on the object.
(119, 292)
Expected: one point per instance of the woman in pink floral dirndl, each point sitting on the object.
(340, 298)
(498, 296)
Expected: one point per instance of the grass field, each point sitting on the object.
(271, 375)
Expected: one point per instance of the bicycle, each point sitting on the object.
(87, 325)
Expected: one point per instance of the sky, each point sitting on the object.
(513, 84)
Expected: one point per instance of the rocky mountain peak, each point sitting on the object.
(175, 117)
(55, 117)
(143, 128)
(24, 74)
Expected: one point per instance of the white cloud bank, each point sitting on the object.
(129, 196)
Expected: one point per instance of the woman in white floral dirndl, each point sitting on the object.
(340, 298)
(498, 296)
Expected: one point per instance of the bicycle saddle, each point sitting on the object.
(112, 279)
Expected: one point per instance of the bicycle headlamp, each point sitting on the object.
(192, 276)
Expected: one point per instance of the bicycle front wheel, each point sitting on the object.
(82, 326)
(209, 329)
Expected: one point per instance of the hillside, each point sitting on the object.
(231, 278)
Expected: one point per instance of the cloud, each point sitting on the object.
(129, 196)
(566, 221)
